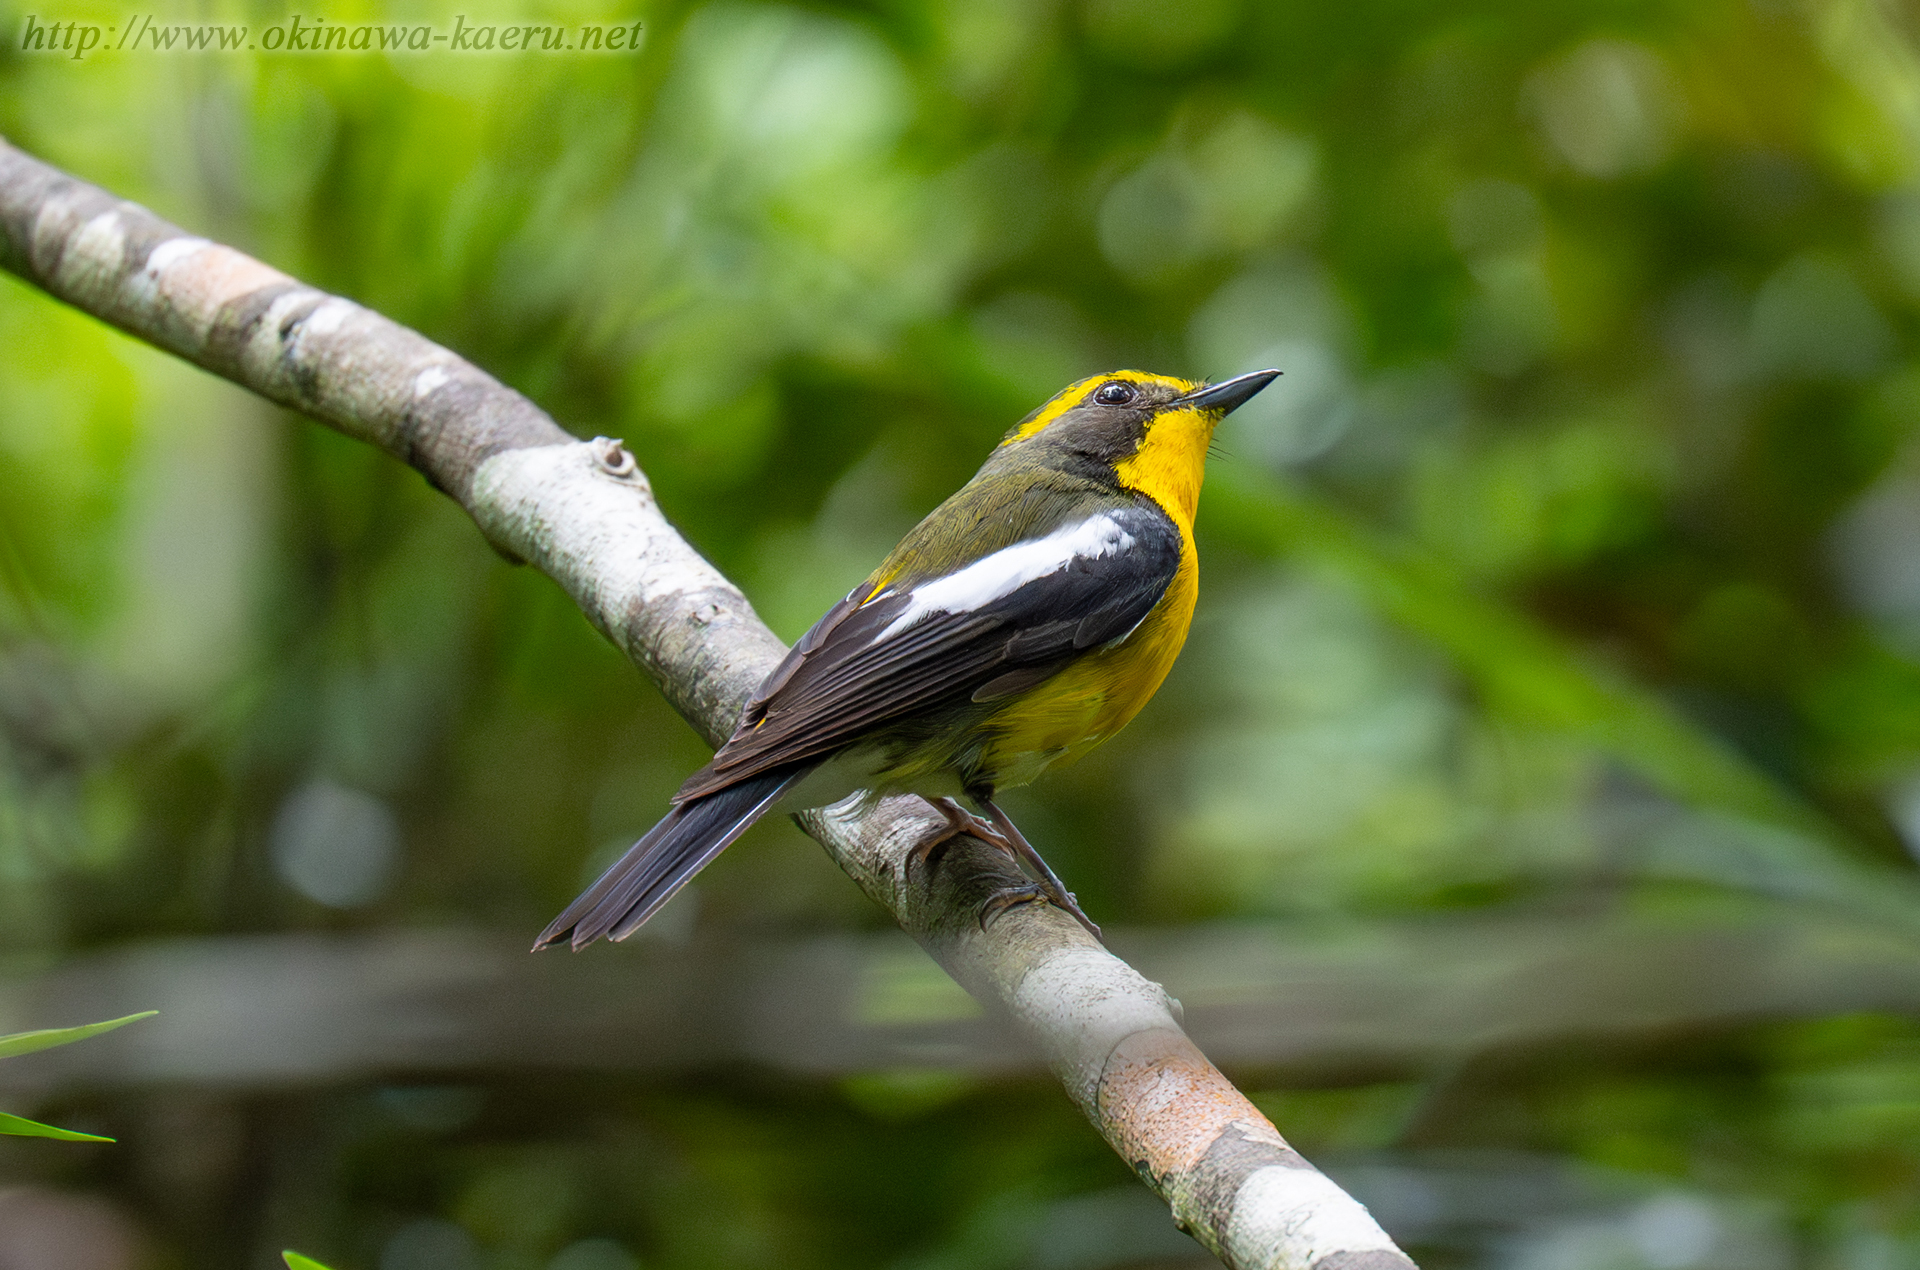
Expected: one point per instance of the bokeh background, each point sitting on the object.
(1529, 825)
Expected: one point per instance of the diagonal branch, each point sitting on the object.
(583, 513)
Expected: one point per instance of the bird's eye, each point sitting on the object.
(1115, 393)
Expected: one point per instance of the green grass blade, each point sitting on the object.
(47, 1038)
(20, 1126)
(297, 1262)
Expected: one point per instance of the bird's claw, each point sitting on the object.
(1036, 892)
(961, 823)
(1008, 896)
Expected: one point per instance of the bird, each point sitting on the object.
(1027, 619)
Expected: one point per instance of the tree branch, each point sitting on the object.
(583, 512)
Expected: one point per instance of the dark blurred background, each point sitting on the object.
(1529, 826)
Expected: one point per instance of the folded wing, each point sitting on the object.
(991, 629)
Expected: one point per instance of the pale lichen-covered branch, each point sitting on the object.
(582, 512)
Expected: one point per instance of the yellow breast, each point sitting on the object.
(1097, 695)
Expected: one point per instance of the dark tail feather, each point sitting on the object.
(684, 842)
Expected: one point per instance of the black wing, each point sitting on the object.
(877, 658)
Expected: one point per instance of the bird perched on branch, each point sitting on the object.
(1021, 624)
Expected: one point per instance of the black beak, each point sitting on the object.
(1229, 396)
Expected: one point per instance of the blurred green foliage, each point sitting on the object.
(1572, 563)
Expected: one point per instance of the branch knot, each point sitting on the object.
(613, 458)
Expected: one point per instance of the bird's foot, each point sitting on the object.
(1036, 892)
(1050, 885)
(1001, 833)
(961, 823)
(1008, 896)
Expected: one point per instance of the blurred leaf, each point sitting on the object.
(20, 1126)
(27, 1042)
(1520, 668)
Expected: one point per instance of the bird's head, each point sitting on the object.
(1148, 432)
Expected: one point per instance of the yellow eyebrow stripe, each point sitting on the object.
(1075, 393)
(1063, 401)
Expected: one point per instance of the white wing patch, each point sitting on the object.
(999, 575)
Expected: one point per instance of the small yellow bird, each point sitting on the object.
(1021, 624)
